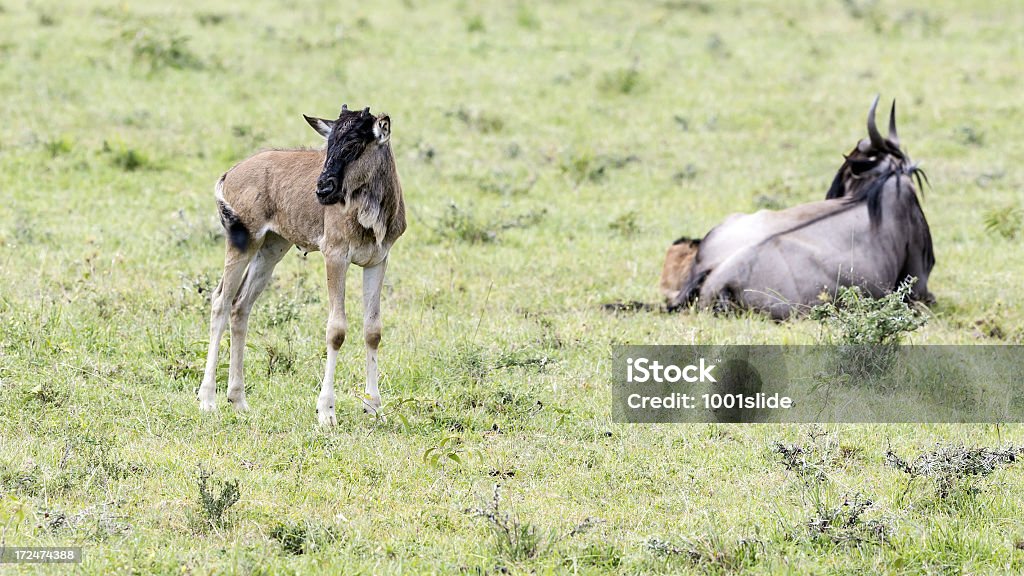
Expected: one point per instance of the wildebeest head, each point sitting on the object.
(871, 163)
(676, 270)
(351, 140)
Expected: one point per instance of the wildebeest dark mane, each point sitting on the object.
(918, 220)
(846, 186)
(871, 192)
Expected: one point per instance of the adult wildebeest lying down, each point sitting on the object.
(267, 203)
(869, 232)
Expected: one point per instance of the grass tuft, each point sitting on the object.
(297, 538)
(622, 81)
(465, 225)
(1006, 221)
(159, 49)
(126, 157)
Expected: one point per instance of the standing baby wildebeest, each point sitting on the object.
(869, 232)
(267, 204)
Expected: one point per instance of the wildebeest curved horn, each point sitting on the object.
(876, 138)
(893, 138)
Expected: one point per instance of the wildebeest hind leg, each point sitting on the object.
(260, 271)
(235, 263)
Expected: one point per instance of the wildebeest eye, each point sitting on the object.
(859, 167)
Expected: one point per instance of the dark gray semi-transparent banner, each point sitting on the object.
(884, 384)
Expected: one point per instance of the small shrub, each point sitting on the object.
(98, 522)
(19, 481)
(969, 136)
(697, 6)
(587, 166)
(622, 81)
(796, 459)
(186, 231)
(50, 393)
(627, 224)
(215, 499)
(954, 468)
(299, 538)
(1005, 221)
(604, 556)
(870, 331)
(462, 224)
(991, 324)
(280, 359)
(469, 364)
(520, 358)
(451, 448)
(526, 18)
(479, 120)
(717, 47)
(859, 9)
(867, 11)
(475, 23)
(711, 552)
(863, 320)
(211, 18)
(281, 311)
(516, 540)
(126, 158)
(844, 524)
(59, 147)
(195, 291)
(812, 459)
(160, 49)
(776, 195)
(45, 16)
(505, 184)
(928, 23)
(687, 174)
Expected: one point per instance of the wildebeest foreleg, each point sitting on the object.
(373, 282)
(337, 325)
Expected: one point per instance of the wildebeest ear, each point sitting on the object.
(322, 127)
(693, 242)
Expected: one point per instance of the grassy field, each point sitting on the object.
(549, 154)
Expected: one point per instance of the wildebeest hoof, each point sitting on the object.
(372, 406)
(327, 418)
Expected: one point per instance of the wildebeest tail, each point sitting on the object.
(238, 234)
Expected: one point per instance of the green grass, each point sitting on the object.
(576, 141)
